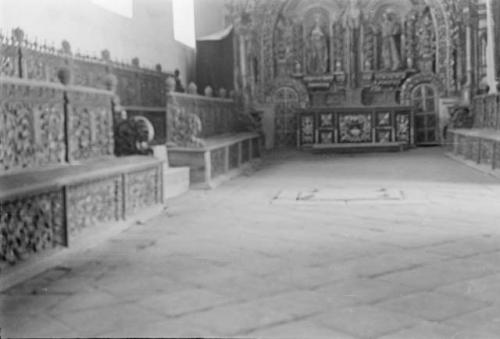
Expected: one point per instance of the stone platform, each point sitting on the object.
(223, 157)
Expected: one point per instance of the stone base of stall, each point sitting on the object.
(222, 158)
(360, 148)
(479, 148)
(46, 208)
(176, 181)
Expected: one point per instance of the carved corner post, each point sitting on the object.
(490, 50)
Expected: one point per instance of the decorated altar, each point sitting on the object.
(358, 59)
(366, 128)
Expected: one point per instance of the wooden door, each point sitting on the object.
(286, 102)
(425, 108)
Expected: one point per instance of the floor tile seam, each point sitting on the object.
(85, 309)
(405, 327)
(279, 323)
(442, 290)
(438, 321)
(192, 312)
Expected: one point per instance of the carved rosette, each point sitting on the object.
(90, 120)
(143, 189)
(32, 126)
(93, 202)
(29, 225)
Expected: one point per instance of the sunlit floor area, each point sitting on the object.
(394, 245)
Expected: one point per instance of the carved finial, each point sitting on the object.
(135, 62)
(222, 92)
(105, 55)
(158, 67)
(18, 35)
(209, 91)
(192, 88)
(170, 84)
(66, 47)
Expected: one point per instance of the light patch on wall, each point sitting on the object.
(184, 22)
(121, 7)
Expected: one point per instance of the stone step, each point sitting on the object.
(175, 181)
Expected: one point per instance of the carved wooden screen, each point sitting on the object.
(286, 102)
(424, 104)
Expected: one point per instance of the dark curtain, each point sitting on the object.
(214, 64)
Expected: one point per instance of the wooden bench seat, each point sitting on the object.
(47, 207)
(479, 145)
(221, 158)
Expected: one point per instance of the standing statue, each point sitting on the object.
(317, 53)
(391, 30)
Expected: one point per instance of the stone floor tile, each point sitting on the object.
(239, 319)
(361, 291)
(27, 304)
(486, 289)
(433, 306)
(133, 288)
(297, 304)
(439, 274)
(188, 301)
(86, 300)
(38, 326)
(171, 328)
(430, 330)
(487, 319)
(299, 330)
(365, 321)
(96, 321)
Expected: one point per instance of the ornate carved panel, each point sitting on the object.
(245, 151)
(217, 161)
(9, 62)
(143, 189)
(90, 124)
(486, 148)
(30, 224)
(234, 156)
(355, 128)
(286, 103)
(92, 202)
(307, 128)
(31, 126)
(403, 127)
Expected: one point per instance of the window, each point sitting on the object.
(184, 22)
(120, 7)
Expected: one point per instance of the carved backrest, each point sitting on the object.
(49, 124)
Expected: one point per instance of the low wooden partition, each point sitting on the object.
(481, 143)
(355, 128)
(221, 158)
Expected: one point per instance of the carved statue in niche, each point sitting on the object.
(425, 41)
(317, 51)
(391, 38)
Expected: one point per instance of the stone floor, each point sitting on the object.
(400, 245)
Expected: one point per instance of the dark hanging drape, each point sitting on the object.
(214, 61)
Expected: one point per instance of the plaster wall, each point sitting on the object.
(89, 28)
(209, 17)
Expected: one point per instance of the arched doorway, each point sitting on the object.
(423, 100)
(286, 102)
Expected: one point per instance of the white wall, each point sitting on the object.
(90, 28)
(209, 17)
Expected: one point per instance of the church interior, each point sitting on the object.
(250, 169)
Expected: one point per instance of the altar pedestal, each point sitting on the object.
(346, 129)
